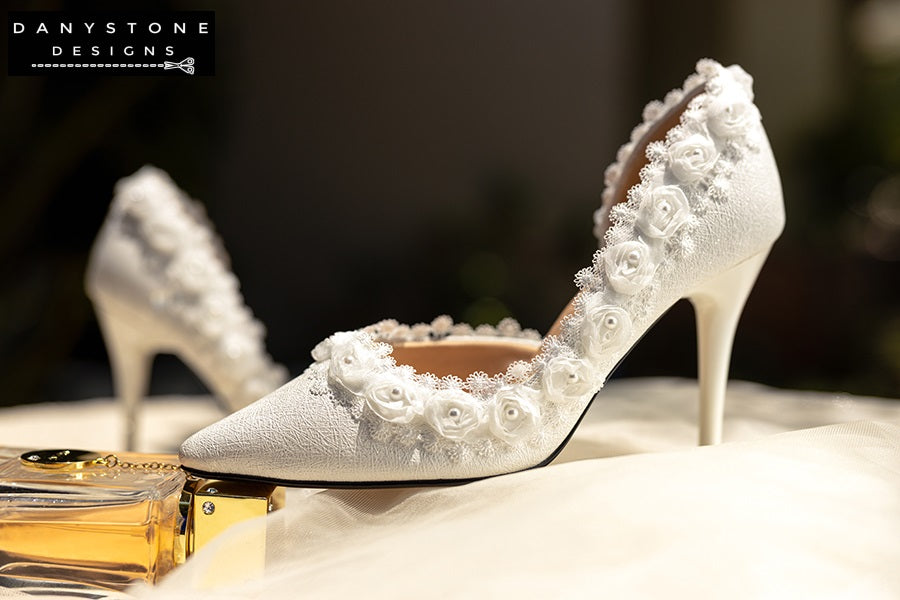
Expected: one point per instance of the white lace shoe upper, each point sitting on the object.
(158, 265)
(368, 410)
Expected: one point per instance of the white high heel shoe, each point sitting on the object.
(691, 209)
(159, 281)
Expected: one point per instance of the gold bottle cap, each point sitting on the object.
(69, 460)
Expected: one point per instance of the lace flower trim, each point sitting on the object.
(483, 414)
(731, 115)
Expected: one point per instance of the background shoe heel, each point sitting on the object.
(131, 362)
(155, 270)
(718, 305)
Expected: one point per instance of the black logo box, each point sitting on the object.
(111, 42)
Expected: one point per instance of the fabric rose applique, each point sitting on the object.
(663, 211)
(453, 414)
(731, 115)
(394, 399)
(628, 267)
(567, 379)
(515, 415)
(692, 158)
(351, 362)
(605, 329)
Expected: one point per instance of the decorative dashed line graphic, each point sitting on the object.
(111, 43)
(186, 65)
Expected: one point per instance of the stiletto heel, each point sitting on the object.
(691, 207)
(131, 362)
(718, 305)
(158, 278)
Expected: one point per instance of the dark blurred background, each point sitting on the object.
(365, 160)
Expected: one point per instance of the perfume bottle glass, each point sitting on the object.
(75, 520)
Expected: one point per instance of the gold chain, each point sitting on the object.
(112, 461)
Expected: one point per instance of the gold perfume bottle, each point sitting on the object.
(84, 519)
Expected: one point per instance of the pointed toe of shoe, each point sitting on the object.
(219, 449)
(279, 437)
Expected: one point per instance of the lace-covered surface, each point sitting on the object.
(192, 280)
(684, 175)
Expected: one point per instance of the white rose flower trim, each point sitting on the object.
(567, 379)
(605, 329)
(731, 115)
(663, 212)
(628, 267)
(355, 363)
(692, 158)
(394, 399)
(350, 362)
(649, 228)
(453, 414)
(515, 415)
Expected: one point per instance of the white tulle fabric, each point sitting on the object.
(804, 504)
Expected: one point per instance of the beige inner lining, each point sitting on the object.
(463, 357)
